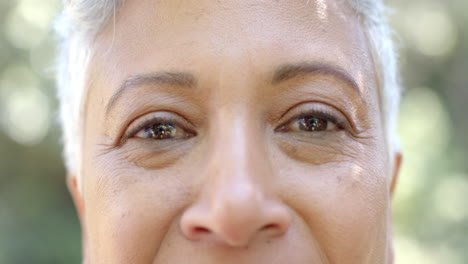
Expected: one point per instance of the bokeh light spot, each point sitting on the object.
(40, 15)
(26, 117)
(450, 198)
(22, 33)
(431, 30)
(25, 108)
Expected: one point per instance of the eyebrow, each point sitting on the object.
(187, 80)
(181, 79)
(290, 71)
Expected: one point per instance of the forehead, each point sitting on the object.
(249, 38)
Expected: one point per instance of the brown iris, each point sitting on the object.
(313, 124)
(161, 131)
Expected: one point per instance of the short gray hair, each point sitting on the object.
(82, 20)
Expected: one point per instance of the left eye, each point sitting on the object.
(162, 131)
(310, 124)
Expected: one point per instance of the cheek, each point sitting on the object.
(129, 211)
(336, 149)
(344, 205)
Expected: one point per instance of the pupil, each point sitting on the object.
(313, 124)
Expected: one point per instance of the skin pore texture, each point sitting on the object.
(234, 132)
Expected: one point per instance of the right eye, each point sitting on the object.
(161, 131)
(160, 126)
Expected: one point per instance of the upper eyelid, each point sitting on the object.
(316, 106)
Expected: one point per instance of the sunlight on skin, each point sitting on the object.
(322, 9)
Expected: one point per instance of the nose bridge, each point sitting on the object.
(235, 202)
(238, 159)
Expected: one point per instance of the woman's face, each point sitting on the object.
(234, 132)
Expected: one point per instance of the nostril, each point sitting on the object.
(201, 230)
(273, 229)
(269, 227)
(198, 232)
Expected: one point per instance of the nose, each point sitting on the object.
(237, 203)
(235, 217)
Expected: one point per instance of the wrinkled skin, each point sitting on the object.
(234, 132)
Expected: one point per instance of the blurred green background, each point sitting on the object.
(38, 223)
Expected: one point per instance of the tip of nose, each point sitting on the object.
(231, 233)
(235, 223)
